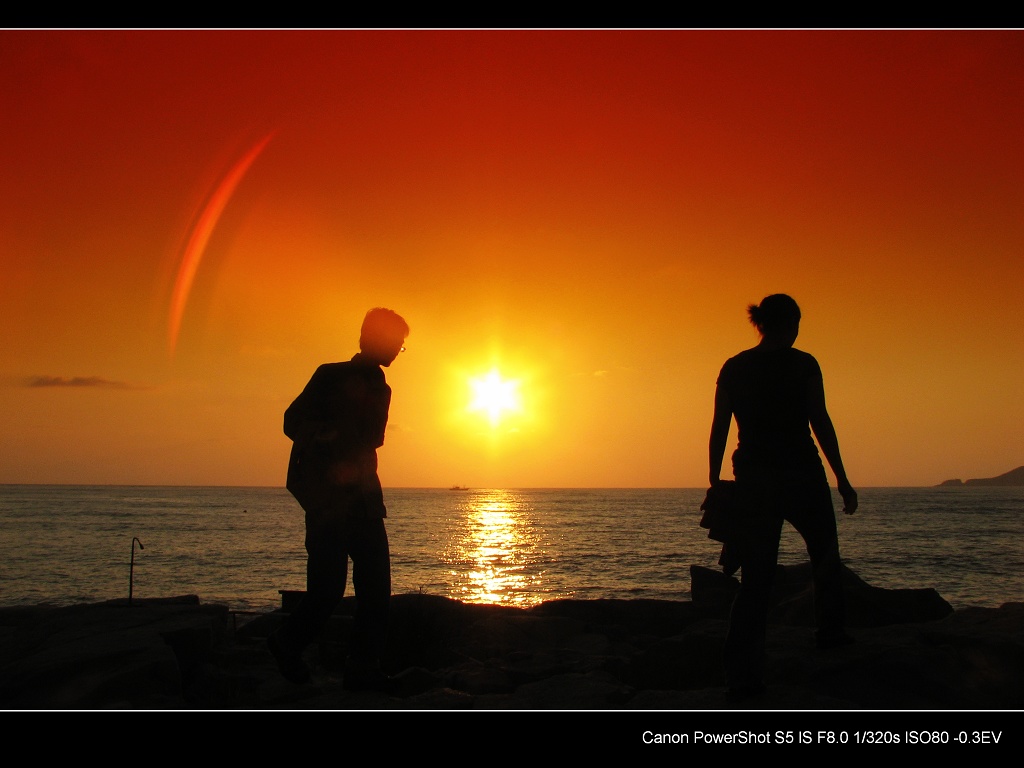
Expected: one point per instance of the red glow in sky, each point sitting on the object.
(587, 213)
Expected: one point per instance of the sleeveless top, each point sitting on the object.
(769, 394)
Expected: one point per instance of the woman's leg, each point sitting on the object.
(745, 641)
(816, 523)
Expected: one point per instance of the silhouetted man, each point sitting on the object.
(336, 425)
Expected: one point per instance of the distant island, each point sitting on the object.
(1013, 477)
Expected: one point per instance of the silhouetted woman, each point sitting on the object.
(777, 396)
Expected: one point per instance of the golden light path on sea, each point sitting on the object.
(492, 555)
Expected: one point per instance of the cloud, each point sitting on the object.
(79, 381)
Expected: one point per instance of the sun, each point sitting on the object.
(494, 396)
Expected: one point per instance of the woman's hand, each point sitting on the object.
(849, 498)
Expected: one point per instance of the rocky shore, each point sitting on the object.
(912, 652)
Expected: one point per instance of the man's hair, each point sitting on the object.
(382, 326)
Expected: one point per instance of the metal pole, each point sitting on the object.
(131, 569)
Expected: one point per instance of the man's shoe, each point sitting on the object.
(292, 667)
(366, 676)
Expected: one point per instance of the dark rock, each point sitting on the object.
(793, 598)
(712, 590)
(107, 654)
(682, 662)
(479, 678)
(655, 617)
(570, 690)
(440, 698)
(911, 652)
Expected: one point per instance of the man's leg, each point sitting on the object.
(326, 573)
(371, 580)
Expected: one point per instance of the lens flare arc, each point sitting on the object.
(206, 223)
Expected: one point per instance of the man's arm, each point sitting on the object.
(302, 419)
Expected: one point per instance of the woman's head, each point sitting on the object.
(775, 314)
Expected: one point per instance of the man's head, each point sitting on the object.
(382, 335)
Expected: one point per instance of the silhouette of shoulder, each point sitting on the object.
(769, 394)
(351, 394)
(768, 370)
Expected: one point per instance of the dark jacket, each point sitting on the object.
(336, 425)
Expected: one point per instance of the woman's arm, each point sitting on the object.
(720, 423)
(825, 433)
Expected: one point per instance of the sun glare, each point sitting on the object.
(494, 396)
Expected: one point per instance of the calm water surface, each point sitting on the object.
(239, 546)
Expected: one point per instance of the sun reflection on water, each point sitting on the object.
(494, 558)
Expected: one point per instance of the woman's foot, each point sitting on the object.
(292, 667)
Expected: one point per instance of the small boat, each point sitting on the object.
(458, 488)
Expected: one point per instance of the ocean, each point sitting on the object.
(64, 545)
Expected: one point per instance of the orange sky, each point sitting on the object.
(588, 212)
